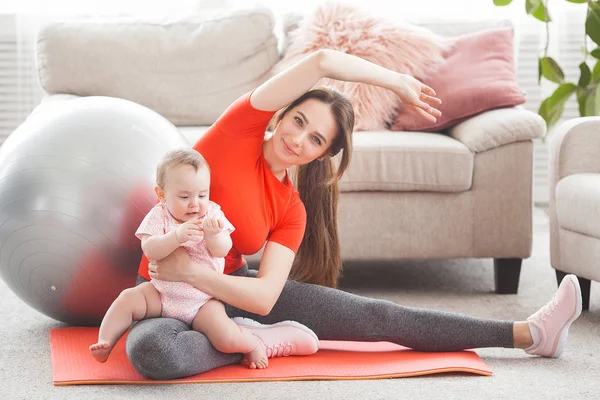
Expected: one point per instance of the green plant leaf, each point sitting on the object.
(578, 1)
(540, 13)
(597, 101)
(596, 72)
(590, 104)
(582, 95)
(585, 75)
(592, 22)
(596, 52)
(539, 71)
(563, 92)
(551, 70)
(531, 5)
(550, 114)
(502, 2)
(552, 107)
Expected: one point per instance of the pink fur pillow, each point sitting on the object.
(403, 48)
(478, 75)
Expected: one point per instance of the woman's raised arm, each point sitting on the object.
(288, 85)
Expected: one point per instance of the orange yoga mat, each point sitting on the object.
(73, 365)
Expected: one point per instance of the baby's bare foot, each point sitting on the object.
(262, 363)
(257, 358)
(101, 351)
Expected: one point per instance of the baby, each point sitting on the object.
(183, 217)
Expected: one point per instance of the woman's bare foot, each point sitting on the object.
(257, 358)
(101, 350)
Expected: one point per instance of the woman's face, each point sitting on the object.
(305, 133)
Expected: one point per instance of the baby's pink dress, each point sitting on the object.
(181, 300)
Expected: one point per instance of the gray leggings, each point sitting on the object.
(165, 348)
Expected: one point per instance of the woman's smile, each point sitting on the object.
(288, 149)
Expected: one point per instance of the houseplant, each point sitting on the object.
(587, 88)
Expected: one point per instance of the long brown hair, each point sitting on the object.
(319, 258)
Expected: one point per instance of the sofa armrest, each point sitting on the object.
(574, 148)
(498, 127)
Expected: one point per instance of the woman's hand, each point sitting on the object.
(418, 97)
(176, 267)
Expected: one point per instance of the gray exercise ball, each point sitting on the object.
(76, 180)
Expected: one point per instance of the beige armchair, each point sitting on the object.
(575, 202)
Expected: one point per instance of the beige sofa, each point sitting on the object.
(407, 195)
(575, 202)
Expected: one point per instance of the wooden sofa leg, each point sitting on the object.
(506, 275)
(585, 288)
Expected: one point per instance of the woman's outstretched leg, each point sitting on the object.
(165, 348)
(337, 315)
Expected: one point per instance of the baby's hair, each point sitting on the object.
(176, 157)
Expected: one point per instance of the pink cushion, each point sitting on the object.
(400, 47)
(478, 75)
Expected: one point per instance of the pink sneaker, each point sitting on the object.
(287, 338)
(549, 326)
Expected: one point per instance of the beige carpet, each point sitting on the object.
(452, 285)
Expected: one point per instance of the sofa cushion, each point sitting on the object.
(578, 203)
(399, 162)
(187, 69)
(486, 58)
(397, 46)
(408, 161)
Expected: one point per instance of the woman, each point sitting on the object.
(251, 183)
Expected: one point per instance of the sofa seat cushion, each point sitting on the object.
(408, 161)
(578, 203)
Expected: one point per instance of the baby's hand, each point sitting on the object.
(213, 226)
(189, 230)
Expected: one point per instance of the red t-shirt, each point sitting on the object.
(259, 205)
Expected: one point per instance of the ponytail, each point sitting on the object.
(319, 259)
